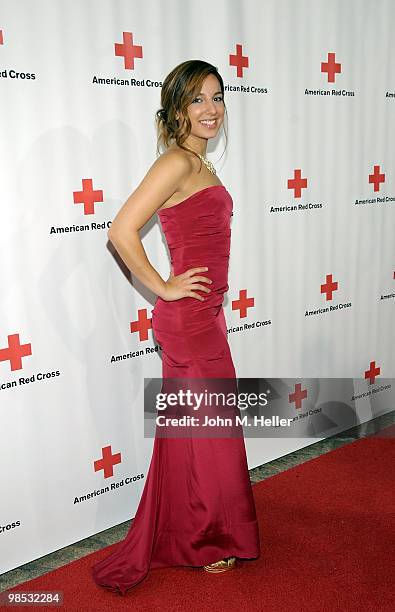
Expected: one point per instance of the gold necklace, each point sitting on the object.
(209, 165)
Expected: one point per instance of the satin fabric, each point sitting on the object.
(197, 504)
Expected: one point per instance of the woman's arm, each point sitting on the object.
(161, 181)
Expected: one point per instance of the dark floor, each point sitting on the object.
(110, 536)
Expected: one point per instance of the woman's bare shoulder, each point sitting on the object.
(171, 166)
(162, 180)
(177, 156)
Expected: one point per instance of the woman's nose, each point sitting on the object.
(210, 107)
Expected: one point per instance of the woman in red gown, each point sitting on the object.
(197, 507)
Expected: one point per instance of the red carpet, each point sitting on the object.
(327, 529)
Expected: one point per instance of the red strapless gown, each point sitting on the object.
(197, 504)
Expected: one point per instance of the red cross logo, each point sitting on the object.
(243, 303)
(107, 462)
(128, 50)
(376, 178)
(298, 396)
(239, 60)
(331, 67)
(142, 325)
(88, 196)
(297, 183)
(15, 352)
(329, 287)
(372, 372)
(1, 38)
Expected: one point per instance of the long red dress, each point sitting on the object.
(197, 505)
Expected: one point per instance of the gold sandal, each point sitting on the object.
(221, 566)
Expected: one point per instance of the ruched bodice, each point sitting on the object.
(198, 234)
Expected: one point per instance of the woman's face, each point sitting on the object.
(207, 110)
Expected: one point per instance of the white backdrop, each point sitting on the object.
(78, 388)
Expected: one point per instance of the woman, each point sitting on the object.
(197, 507)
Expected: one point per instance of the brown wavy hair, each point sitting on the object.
(179, 89)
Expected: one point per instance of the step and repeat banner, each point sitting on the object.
(310, 165)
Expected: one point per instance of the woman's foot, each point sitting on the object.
(221, 566)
